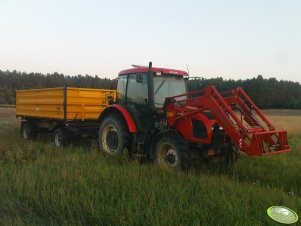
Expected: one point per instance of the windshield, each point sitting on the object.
(167, 86)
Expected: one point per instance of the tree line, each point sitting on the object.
(10, 81)
(266, 93)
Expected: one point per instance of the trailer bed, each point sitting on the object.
(65, 103)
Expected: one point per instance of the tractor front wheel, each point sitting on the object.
(228, 157)
(113, 135)
(231, 155)
(172, 152)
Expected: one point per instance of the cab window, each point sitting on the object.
(137, 89)
(121, 87)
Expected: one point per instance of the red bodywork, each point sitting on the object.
(235, 112)
(184, 126)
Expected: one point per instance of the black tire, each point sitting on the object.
(28, 131)
(171, 151)
(113, 135)
(231, 155)
(228, 157)
(62, 137)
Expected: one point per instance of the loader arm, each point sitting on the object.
(246, 125)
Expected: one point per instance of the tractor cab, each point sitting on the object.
(147, 87)
(142, 91)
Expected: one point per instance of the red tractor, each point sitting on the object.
(155, 117)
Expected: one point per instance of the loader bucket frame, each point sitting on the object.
(246, 125)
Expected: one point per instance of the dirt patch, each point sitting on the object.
(8, 115)
(282, 112)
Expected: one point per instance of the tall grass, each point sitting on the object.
(42, 185)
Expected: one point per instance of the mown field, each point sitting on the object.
(43, 185)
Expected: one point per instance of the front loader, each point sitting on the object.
(235, 113)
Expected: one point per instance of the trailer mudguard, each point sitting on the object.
(124, 112)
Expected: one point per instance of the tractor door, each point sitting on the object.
(133, 94)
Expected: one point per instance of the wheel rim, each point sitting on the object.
(58, 140)
(110, 139)
(168, 156)
(24, 133)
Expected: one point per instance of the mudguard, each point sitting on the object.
(124, 112)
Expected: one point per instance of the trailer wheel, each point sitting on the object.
(29, 131)
(171, 152)
(113, 135)
(62, 137)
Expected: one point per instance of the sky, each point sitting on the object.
(233, 39)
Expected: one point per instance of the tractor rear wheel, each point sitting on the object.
(172, 152)
(113, 135)
(29, 131)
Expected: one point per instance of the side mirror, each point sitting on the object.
(139, 78)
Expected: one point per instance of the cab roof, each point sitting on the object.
(139, 69)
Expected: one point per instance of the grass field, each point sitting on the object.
(43, 185)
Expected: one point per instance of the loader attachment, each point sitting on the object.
(268, 143)
(245, 124)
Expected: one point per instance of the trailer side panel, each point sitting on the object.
(87, 104)
(63, 103)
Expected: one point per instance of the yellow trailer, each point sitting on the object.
(64, 103)
(67, 111)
